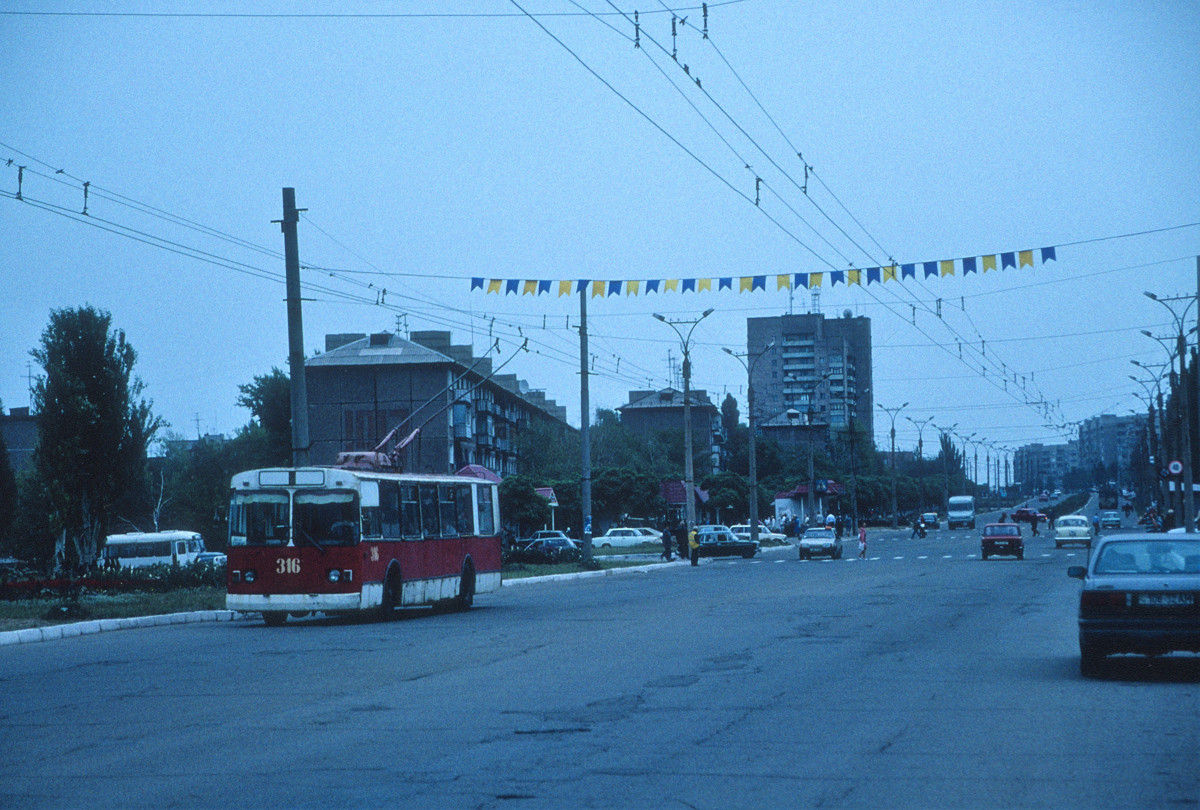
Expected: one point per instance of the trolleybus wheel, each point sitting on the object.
(274, 618)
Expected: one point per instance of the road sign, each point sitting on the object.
(1175, 467)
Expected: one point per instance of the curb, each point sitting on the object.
(607, 572)
(33, 635)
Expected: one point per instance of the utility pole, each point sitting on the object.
(1185, 416)
(585, 440)
(291, 261)
(893, 413)
(688, 466)
(750, 418)
(920, 458)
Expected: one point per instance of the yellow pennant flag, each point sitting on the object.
(889, 273)
(597, 289)
(947, 267)
(671, 284)
(564, 288)
(631, 287)
(783, 282)
(989, 262)
(703, 284)
(854, 277)
(745, 283)
(814, 280)
(494, 285)
(530, 288)
(1026, 257)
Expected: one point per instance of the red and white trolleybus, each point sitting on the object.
(339, 539)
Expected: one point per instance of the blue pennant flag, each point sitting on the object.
(1008, 260)
(725, 284)
(511, 286)
(873, 275)
(801, 281)
(689, 284)
(544, 287)
(908, 271)
(930, 268)
(614, 288)
(968, 265)
(477, 283)
(836, 276)
(582, 285)
(652, 286)
(759, 283)
(1047, 255)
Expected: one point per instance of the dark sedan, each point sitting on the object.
(720, 542)
(1141, 594)
(1002, 538)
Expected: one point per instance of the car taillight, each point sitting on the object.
(1104, 599)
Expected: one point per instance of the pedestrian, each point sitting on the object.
(681, 539)
(918, 528)
(694, 547)
(862, 542)
(1095, 525)
(667, 541)
(839, 526)
(1004, 517)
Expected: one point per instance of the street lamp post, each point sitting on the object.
(946, 433)
(893, 412)
(688, 470)
(921, 423)
(1184, 411)
(741, 358)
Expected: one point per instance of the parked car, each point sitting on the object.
(622, 537)
(1072, 529)
(214, 558)
(718, 541)
(1002, 538)
(651, 535)
(548, 549)
(1110, 520)
(544, 534)
(931, 520)
(820, 542)
(742, 530)
(1140, 595)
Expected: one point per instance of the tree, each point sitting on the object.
(730, 418)
(269, 399)
(93, 427)
(520, 505)
(8, 496)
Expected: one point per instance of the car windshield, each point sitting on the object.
(1149, 557)
(326, 518)
(258, 519)
(818, 534)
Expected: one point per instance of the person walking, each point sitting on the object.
(667, 540)
(694, 546)
(839, 526)
(862, 542)
(918, 528)
(681, 538)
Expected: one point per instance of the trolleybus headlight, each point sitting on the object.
(250, 576)
(334, 575)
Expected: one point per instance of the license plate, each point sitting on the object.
(1165, 599)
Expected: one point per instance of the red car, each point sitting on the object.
(1002, 538)
(1026, 515)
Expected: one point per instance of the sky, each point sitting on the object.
(436, 142)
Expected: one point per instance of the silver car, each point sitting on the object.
(820, 542)
(1141, 594)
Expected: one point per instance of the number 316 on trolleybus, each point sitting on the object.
(334, 539)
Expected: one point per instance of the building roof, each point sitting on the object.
(667, 398)
(383, 349)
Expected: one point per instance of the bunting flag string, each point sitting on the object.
(941, 268)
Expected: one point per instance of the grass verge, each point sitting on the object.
(24, 613)
(523, 570)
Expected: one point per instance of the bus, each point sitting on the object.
(340, 539)
(138, 549)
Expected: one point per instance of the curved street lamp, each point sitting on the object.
(1187, 495)
(893, 412)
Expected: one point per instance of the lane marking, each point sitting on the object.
(948, 557)
(923, 557)
(897, 558)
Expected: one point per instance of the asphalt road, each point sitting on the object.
(922, 677)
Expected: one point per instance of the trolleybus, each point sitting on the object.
(338, 539)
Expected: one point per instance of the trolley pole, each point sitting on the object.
(291, 260)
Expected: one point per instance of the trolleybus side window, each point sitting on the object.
(326, 518)
(410, 512)
(486, 524)
(389, 504)
(430, 523)
(448, 505)
(466, 521)
(258, 519)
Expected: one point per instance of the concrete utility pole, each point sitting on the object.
(920, 458)
(893, 413)
(291, 262)
(750, 418)
(585, 438)
(1185, 416)
(688, 468)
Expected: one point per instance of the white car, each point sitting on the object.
(622, 538)
(820, 542)
(743, 530)
(1072, 529)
